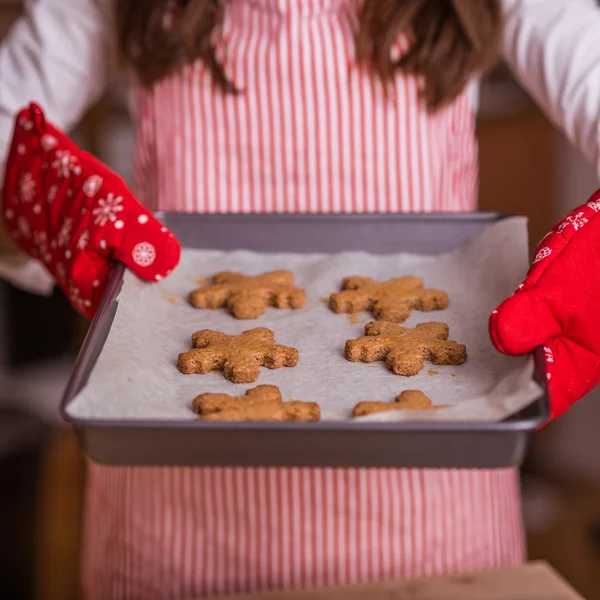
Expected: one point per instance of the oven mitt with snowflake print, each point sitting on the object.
(558, 307)
(68, 210)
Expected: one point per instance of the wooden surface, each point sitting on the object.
(571, 541)
(59, 526)
(517, 162)
(536, 581)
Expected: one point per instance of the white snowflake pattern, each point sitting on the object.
(65, 164)
(21, 149)
(144, 254)
(40, 239)
(91, 185)
(83, 240)
(578, 221)
(595, 206)
(27, 186)
(52, 193)
(26, 124)
(64, 234)
(548, 354)
(48, 142)
(23, 226)
(543, 253)
(61, 272)
(77, 300)
(107, 209)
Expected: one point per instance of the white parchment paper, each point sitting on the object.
(136, 377)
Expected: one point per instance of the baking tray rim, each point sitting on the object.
(511, 424)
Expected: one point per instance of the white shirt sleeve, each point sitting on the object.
(60, 55)
(553, 47)
(26, 274)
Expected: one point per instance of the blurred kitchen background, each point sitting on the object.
(526, 168)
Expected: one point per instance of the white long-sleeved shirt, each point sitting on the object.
(60, 54)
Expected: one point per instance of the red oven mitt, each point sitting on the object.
(558, 307)
(67, 209)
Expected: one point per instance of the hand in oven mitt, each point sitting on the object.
(67, 209)
(558, 307)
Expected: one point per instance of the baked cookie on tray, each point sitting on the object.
(391, 300)
(248, 297)
(262, 403)
(407, 400)
(405, 349)
(238, 356)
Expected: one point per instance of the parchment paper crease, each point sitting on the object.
(136, 377)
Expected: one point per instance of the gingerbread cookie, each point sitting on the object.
(405, 349)
(407, 400)
(248, 297)
(238, 356)
(262, 403)
(387, 300)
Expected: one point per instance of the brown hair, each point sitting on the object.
(452, 40)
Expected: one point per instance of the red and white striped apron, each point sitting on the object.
(310, 133)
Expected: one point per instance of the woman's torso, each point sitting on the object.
(309, 133)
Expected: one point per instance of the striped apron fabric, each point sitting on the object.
(310, 132)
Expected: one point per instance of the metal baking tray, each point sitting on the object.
(335, 444)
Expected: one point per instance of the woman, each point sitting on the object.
(289, 106)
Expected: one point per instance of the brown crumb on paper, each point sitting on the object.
(355, 319)
(433, 372)
(170, 298)
(197, 280)
(452, 374)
